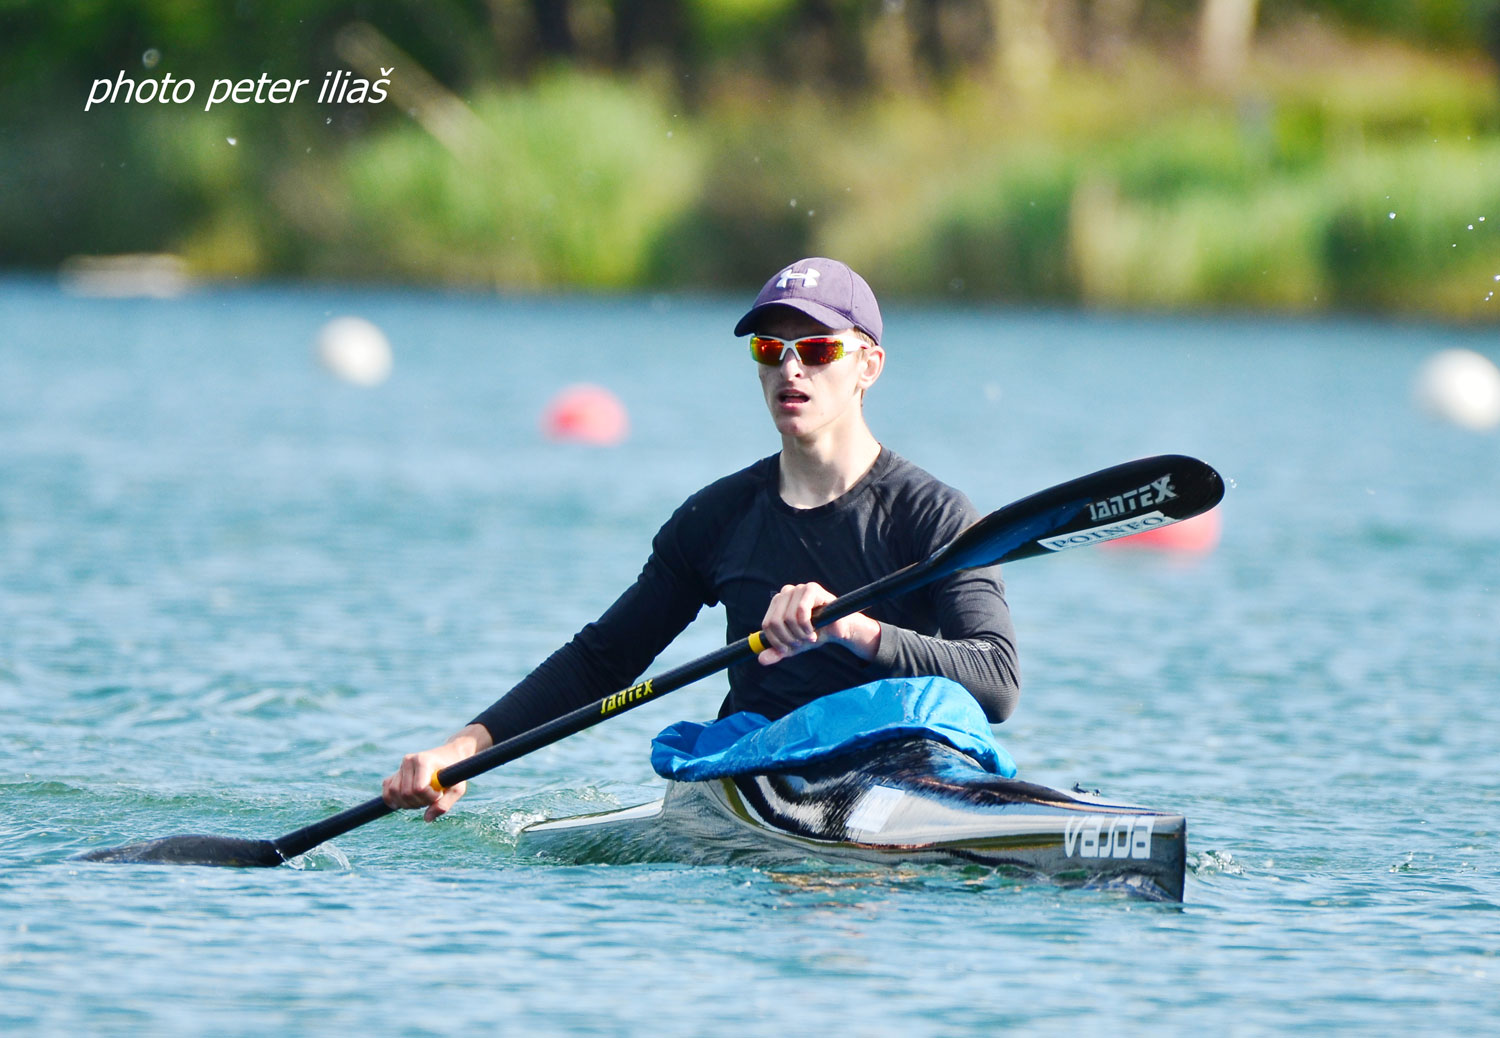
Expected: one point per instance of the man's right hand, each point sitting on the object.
(411, 785)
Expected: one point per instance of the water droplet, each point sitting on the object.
(1391, 215)
(151, 57)
(793, 203)
(232, 141)
(1471, 227)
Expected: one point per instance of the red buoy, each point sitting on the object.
(586, 414)
(1196, 536)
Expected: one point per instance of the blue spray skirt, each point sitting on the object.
(856, 718)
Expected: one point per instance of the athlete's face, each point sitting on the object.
(807, 399)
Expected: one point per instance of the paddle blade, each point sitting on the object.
(192, 849)
(1113, 502)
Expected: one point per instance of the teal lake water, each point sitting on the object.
(233, 591)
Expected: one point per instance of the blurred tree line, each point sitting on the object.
(465, 42)
(531, 142)
(48, 47)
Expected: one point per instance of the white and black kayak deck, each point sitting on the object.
(908, 801)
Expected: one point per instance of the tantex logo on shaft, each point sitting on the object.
(631, 695)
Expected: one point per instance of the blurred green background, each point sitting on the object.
(1162, 154)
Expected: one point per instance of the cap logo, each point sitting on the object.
(808, 277)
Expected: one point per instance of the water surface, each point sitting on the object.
(234, 590)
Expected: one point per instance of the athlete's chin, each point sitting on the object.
(794, 426)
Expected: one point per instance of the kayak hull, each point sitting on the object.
(911, 801)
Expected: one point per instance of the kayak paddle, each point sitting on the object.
(1111, 503)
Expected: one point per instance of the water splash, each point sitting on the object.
(1213, 863)
(324, 858)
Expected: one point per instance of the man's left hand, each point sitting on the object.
(788, 626)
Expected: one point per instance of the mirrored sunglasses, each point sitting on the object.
(811, 351)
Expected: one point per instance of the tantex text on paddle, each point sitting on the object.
(1134, 496)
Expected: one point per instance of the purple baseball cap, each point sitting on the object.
(823, 289)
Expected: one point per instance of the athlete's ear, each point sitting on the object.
(873, 359)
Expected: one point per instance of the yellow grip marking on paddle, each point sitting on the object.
(757, 643)
(633, 694)
(435, 784)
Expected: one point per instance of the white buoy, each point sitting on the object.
(1462, 387)
(355, 350)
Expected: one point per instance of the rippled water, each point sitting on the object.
(233, 591)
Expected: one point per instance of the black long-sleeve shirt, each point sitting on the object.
(737, 542)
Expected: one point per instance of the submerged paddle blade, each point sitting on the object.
(192, 849)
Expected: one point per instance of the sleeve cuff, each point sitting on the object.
(887, 652)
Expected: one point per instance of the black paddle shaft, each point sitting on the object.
(1105, 505)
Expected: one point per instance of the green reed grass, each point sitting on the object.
(1130, 189)
(570, 183)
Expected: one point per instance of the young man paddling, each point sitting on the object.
(833, 511)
